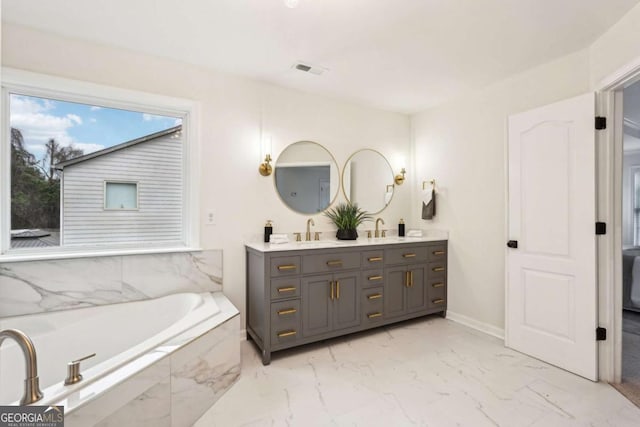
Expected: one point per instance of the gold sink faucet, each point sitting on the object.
(32, 391)
(378, 221)
(307, 236)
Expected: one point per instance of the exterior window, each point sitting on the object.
(120, 195)
(94, 173)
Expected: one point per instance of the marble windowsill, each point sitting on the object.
(427, 236)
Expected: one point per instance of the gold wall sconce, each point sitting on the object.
(399, 179)
(265, 168)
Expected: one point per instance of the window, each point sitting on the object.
(99, 172)
(120, 195)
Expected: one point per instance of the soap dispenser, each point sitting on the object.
(268, 230)
(401, 228)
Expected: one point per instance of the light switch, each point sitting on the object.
(210, 218)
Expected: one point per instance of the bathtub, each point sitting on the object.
(127, 338)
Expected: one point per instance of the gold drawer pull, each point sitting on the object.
(373, 315)
(337, 289)
(287, 311)
(371, 278)
(289, 289)
(408, 255)
(374, 259)
(438, 285)
(287, 267)
(286, 334)
(438, 252)
(438, 301)
(334, 263)
(374, 296)
(438, 268)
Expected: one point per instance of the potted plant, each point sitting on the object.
(347, 217)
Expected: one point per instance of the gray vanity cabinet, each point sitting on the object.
(299, 296)
(405, 290)
(330, 302)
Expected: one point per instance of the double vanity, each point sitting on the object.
(302, 292)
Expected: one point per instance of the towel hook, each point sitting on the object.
(432, 182)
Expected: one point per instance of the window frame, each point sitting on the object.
(115, 181)
(46, 86)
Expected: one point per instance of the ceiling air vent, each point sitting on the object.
(308, 68)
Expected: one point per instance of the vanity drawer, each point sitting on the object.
(437, 288)
(373, 259)
(437, 253)
(437, 269)
(286, 324)
(373, 277)
(372, 305)
(406, 255)
(285, 288)
(323, 263)
(285, 266)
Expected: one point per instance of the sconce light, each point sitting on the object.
(399, 179)
(265, 168)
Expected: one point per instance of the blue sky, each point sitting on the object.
(88, 127)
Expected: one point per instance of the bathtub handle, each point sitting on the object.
(73, 370)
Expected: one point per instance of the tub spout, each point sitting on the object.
(32, 391)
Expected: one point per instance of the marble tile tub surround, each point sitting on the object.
(426, 372)
(38, 286)
(171, 386)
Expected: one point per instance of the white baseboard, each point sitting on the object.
(476, 324)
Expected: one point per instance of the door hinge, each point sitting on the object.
(601, 334)
(601, 122)
(601, 228)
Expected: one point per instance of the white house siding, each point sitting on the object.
(156, 165)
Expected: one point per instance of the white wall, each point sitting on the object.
(230, 131)
(462, 145)
(616, 48)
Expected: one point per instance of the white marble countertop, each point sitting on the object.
(427, 236)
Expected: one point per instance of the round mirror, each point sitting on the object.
(367, 180)
(306, 177)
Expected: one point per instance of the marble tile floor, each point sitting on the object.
(426, 372)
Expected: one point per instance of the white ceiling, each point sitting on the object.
(399, 55)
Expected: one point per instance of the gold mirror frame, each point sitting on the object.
(387, 186)
(338, 175)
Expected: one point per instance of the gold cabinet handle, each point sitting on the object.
(289, 289)
(287, 311)
(438, 268)
(438, 252)
(372, 278)
(438, 285)
(374, 296)
(286, 333)
(411, 279)
(406, 279)
(438, 301)
(337, 289)
(408, 255)
(331, 284)
(373, 315)
(374, 259)
(334, 263)
(287, 267)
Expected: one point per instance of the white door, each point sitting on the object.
(551, 275)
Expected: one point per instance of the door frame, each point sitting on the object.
(609, 157)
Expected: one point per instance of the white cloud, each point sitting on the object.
(95, 108)
(92, 120)
(38, 124)
(149, 117)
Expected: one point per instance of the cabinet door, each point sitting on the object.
(346, 305)
(417, 291)
(394, 291)
(316, 305)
